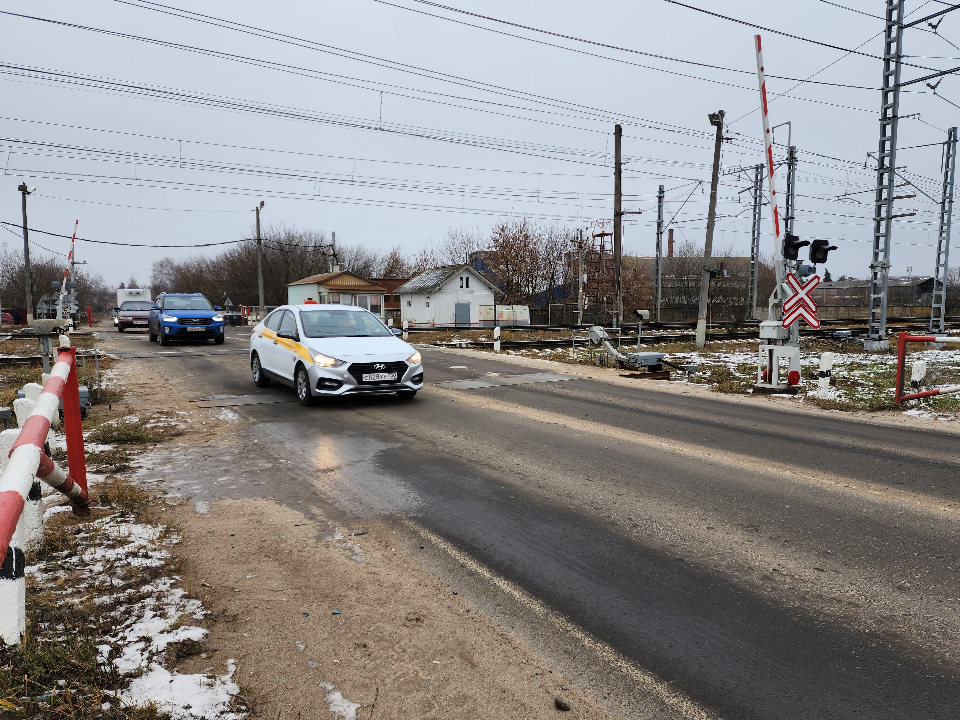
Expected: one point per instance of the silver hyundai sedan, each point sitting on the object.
(332, 350)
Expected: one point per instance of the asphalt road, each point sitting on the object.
(752, 562)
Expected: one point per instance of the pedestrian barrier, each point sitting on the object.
(919, 369)
(20, 508)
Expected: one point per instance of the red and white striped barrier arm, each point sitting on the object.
(902, 341)
(768, 142)
(27, 458)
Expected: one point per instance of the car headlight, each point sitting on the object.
(327, 361)
(168, 318)
(414, 359)
(218, 318)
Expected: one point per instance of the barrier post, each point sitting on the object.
(90, 316)
(72, 421)
(901, 357)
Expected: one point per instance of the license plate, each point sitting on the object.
(196, 329)
(377, 377)
(139, 322)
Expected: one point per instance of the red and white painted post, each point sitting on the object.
(902, 341)
(28, 461)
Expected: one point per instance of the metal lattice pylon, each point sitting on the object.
(886, 170)
(658, 270)
(939, 308)
(755, 241)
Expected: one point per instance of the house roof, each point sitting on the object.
(342, 280)
(433, 280)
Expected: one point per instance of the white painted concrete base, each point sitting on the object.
(13, 598)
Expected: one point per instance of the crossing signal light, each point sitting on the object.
(792, 245)
(819, 250)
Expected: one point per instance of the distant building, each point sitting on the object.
(449, 295)
(339, 288)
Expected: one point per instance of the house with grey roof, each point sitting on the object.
(446, 296)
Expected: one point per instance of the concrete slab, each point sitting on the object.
(243, 400)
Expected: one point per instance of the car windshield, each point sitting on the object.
(136, 305)
(341, 323)
(186, 303)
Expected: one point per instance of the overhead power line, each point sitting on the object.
(122, 244)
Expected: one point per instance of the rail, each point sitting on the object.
(902, 340)
(20, 490)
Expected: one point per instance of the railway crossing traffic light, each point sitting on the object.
(819, 250)
(792, 245)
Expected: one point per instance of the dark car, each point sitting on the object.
(133, 314)
(183, 316)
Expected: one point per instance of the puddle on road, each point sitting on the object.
(289, 462)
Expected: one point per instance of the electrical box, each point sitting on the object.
(773, 330)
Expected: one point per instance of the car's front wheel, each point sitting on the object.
(119, 328)
(219, 340)
(259, 377)
(153, 338)
(164, 339)
(302, 384)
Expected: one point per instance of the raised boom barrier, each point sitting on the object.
(903, 339)
(27, 462)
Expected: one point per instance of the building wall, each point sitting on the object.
(441, 309)
(298, 294)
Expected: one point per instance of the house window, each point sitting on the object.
(428, 303)
(468, 281)
(409, 303)
(363, 301)
(333, 298)
(346, 299)
(461, 283)
(376, 304)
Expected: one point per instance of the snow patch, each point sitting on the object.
(186, 697)
(339, 705)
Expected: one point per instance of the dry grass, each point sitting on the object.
(127, 433)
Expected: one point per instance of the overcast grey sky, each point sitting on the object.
(370, 120)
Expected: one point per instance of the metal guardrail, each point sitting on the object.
(902, 340)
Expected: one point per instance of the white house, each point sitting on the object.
(449, 295)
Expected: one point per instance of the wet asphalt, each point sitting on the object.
(760, 563)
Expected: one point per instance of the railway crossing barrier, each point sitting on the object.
(20, 509)
(919, 369)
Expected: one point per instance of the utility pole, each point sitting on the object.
(262, 300)
(938, 310)
(755, 241)
(657, 283)
(28, 276)
(617, 219)
(791, 213)
(716, 119)
(580, 279)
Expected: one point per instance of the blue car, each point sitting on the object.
(185, 316)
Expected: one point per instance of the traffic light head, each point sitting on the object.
(819, 250)
(792, 245)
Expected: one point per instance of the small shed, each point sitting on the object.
(446, 296)
(338, 288)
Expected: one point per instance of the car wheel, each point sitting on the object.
(302, 385)
(218, 340)
(164, 339)
(119, 328)
(259, 377)
(153, 338)
(406, 394)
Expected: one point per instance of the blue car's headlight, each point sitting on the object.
(218, 318)
(168, 318)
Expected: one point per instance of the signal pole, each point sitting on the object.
(755, 241)
(579, 279)
(938, 310)
(28, 276)
(617, 219)
(262, 300)
(716, 119)
(657, 286)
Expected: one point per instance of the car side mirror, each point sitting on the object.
(155, 307)
(289, 336)
(217, 307)
(396, 331)
(116, 309)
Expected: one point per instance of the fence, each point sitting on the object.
(919, 371)
(21, 513)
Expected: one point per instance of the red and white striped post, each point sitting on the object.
(28, 461)
(768, 148)
(902, 340)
